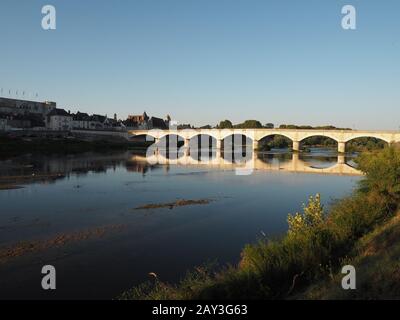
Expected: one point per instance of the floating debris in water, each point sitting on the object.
(172, 205)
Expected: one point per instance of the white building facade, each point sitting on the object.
(59, 120)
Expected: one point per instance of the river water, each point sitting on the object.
(80, 214)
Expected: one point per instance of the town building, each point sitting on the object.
(81, 120)
(114, 124)
(139, 119)
(16, 106)
(144, 122)
(97, 122)
(157, 123)
(31, 115)
(59, 120)
(4, 124)
(31, 121)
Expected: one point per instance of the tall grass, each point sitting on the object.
(313, 249)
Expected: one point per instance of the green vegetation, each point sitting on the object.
(275, 142)
(316, 246)
(365, 144)
(376, 258)
(306, 127)
(249, 124)
(319, 141)
(356, 145)
(17, 146)
(226, 124)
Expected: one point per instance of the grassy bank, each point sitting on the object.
(376, 257)
(306, 262)
(18, 146)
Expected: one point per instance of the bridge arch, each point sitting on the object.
(319, 140)
(237, 139)
(192, 134)
(319, 134)
(226, 133)
(202, 141)
(237, 148)
(142, 137)
(171, 140)
(364, 135)
(283, 134)
(356, 144)
(165, 135)
(274, 140)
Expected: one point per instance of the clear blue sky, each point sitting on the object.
(201, 61)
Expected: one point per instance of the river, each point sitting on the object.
(99, 219)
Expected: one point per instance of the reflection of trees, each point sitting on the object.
(140, 167)
(47, 169)
(319, 158)
(268, 157)
(50, 169)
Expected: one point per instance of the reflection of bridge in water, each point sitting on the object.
(251, 161)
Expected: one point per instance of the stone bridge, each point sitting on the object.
(256, 135)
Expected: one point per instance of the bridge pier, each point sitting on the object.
(186, 147)
(186, 144)
(296, 146)
(156, 141)
(295, 161)
(341, 159)
(255, 144)
(341, 147)
(219, 144)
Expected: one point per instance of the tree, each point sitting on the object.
(312, 217)
(382, 175)
(249, 124)
(226, 124)
(269, 126)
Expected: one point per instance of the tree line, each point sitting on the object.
(255, 124)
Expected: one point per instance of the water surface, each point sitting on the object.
(78, 214)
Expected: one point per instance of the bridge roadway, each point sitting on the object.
(256, 135)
